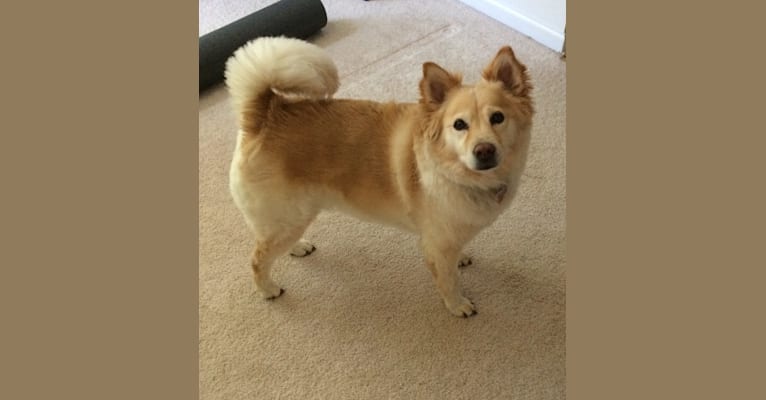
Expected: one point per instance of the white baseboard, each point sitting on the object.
(519, 22)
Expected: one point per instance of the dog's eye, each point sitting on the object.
(460, 124)
(496, 118)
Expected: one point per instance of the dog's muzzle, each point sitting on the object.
(485, 154)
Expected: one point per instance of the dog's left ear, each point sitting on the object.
(436, 83)
(508, 70)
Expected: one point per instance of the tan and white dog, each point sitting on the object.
(443, 168)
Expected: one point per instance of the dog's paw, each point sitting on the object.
(274, 296)
(270, 291)
(465, 261)
(302, 249)
(462, 308)
(271, 295)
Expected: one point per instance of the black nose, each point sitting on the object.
(485, 155)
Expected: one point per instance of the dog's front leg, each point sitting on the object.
(442, 260)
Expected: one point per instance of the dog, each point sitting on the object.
(444, 168)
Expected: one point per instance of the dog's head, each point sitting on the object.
(474, 131)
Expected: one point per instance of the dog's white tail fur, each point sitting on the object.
(289, 66)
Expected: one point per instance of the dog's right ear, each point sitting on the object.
(507, 69)
(436, 83)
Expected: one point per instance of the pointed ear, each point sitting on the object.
(508, 70)
(436, 83)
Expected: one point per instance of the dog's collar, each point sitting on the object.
(499, 192)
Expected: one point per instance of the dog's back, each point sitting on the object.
(293, 136)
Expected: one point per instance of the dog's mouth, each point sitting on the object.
(485, 165)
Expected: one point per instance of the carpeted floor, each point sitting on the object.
(361, 318)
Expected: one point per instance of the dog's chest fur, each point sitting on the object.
(460, 206)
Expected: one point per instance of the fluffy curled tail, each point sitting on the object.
(289, 66)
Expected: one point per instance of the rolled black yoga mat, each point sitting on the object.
(292, 18)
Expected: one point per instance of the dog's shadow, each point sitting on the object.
(402, 311)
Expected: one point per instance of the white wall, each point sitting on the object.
(542, 20)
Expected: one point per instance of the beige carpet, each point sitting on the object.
(361, 318)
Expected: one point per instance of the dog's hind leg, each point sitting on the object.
(270, 242)
(277, 225)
